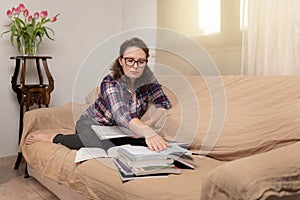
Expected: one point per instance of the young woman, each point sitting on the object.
(123, 100)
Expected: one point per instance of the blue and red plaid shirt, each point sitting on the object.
(113, 105)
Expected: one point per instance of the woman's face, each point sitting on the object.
(133, 62)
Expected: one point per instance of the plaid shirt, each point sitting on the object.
(113, 105)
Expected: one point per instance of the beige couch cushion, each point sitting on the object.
(99, 179)
(275, 173)
(92, 95)
(261, 113)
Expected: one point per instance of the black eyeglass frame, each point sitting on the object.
(135, 61)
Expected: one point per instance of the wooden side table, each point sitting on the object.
(30, 94)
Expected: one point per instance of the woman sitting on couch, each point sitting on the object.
(123, 100)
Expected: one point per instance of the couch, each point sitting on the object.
(254, 154)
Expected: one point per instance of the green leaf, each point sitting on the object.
(40, 41)
(30, 30)
(45, 30)
(4, 33)
(19, 23)
(12, 39)
(19, 44)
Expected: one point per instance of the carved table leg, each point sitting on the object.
(21, 101)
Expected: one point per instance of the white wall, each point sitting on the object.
(139, 14)
(81, 26)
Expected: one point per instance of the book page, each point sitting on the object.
(113, 151)
(108, 132)
(141, 150)
(89, 153)
(138, 150)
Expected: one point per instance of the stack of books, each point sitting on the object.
(139, 162)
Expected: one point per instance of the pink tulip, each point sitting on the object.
(30, 18)
(25, 12)
(22, 7)
(53, 19)
(14, 10)
(9, 13)
(44, 14)
(18, 10)
(36, 15)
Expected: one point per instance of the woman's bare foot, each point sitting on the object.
(36, 137)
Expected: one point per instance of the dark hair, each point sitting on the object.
(117, 69)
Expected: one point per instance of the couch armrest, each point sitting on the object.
(59, 119)
(272, 174)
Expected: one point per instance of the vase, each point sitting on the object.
(28, 47)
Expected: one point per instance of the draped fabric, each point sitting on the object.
(271, 37)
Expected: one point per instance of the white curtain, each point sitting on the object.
(271, 37)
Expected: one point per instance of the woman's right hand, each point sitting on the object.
(156, 143)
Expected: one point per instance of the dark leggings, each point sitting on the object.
(73, 141)
(86, 137)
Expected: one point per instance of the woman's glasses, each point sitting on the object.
(140, 63)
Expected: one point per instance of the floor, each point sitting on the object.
(14, 186)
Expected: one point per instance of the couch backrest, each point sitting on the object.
(236, 115)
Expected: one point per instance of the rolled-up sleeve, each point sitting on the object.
(158, 96)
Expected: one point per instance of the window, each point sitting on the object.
(213, 23)
(209, 16)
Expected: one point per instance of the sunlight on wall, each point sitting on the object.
(209, 16)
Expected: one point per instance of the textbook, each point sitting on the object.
(182, 162)
(143, 163)
(108, 132)
(126, 174)
(135, 153)
(150, 170)
(135, 162)
(87, 153)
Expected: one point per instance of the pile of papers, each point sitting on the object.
(139, 162)
(135, 162)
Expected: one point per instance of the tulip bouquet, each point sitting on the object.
(28, 30)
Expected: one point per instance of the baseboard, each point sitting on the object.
(8, 160)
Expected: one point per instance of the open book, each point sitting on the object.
(139, 152)
(108, 132)
(90, 153)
